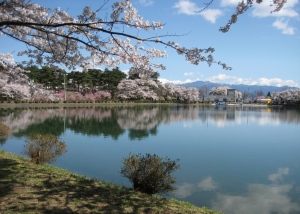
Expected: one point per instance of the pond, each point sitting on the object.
(235, 159)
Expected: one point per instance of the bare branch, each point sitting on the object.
(206, 6)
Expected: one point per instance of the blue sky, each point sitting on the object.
(262, 47)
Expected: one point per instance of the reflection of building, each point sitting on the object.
(231, 96)
(230, 114)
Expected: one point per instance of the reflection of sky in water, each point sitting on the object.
(262, 198)
(233, 160)
(259, 198)
(187, 189)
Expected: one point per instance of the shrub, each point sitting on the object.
(4, 131)
(43, 148)
(150, 173)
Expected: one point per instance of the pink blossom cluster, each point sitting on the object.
(78, 96)
(149, 89)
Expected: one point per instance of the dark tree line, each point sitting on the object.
(92, 79)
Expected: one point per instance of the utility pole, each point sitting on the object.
(65, 86)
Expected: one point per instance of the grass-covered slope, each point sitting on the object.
(29, 188)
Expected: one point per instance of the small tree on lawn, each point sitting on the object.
(4, 132)
(43, 148)
(150, 174)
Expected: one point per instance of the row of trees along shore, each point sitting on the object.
(98, 85)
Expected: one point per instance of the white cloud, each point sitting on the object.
(189, 8)
(283, 25)
(176, 82)
(223, 78)
(211, 15)
(275, 82)
(170, 81)
(188, 73)
(225, 3)
(146, 2)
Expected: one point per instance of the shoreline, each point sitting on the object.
(74, 105)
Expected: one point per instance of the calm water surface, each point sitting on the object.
(234, 159)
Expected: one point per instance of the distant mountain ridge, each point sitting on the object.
(240, 87)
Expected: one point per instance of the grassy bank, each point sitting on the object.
(29, 188)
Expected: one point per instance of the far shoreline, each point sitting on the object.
(118, 104)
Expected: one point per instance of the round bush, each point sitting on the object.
(149, 174)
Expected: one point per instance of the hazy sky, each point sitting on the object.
(262, 47)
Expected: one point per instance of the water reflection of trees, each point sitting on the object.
(21, 119)
(52, 125)
(98, 124)
(273, 115)
(140, 121)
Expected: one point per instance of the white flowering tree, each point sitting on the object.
(149, 89)
(14, 84)
(182, 93)
(136, 73)
(286, 97)
(137, 89)
(222, 90)
(54, 37)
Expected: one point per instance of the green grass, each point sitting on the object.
(29, 188)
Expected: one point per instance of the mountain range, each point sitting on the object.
(240, 87)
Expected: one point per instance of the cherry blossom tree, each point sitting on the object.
(149, 89)
(222, 90)
(77, 96)
(136, 73)
(14, 84)
(181, 93)
(137, 89)
(286, 97)
(55, 37)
